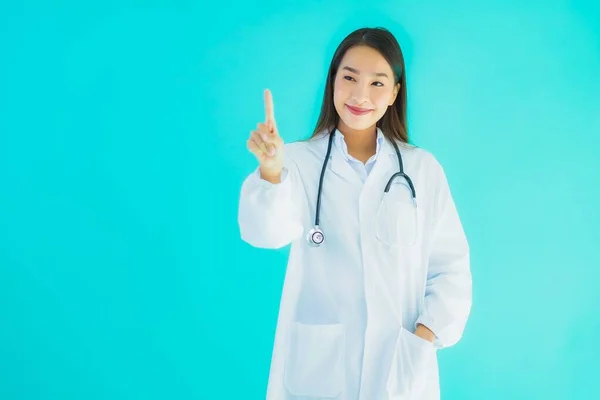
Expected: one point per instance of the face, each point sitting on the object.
(363, 88)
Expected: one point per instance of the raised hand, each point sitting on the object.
(266, 144)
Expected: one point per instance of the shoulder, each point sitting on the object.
(424, 166)
(419, 158)
(301, 150)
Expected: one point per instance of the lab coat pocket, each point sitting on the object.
(410, 368)
(398, 219)
(315, 362)
(406, 224)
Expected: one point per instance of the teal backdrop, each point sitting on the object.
(123, 127)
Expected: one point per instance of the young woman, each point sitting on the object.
(378, 278)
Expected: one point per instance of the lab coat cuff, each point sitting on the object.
(256, 178)
(434, 327)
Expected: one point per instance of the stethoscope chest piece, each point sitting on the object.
(315, 237)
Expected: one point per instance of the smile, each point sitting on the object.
(357, 110)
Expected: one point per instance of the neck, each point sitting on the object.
(360, 141)
(362, 144)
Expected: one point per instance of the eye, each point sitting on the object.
(376, 83)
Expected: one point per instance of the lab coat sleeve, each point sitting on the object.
(448, 291)
(269, 214)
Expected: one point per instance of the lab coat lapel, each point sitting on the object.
(385, 166)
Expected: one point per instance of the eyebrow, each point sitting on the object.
(358, 72)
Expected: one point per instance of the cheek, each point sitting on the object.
(382, 99)
(340, 95)
(381, 103)
(339, 90)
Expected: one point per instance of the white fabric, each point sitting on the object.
(362, 169)
(349, 308)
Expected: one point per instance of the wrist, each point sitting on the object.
(270, 176)
(425, 333)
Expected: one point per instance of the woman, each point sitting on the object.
(378, 278)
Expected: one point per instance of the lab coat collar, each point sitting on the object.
(338, 162)
(340, 143)
(387, 147)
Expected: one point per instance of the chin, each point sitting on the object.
(358, 124)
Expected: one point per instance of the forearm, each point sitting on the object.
(268, 216)
(447, 302)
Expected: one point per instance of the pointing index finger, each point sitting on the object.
(269, 109)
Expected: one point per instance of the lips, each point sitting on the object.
(358, 110)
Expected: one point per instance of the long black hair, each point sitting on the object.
(394, 122)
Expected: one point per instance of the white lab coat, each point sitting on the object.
(349, 308)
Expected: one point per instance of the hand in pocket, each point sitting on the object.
(413, 358)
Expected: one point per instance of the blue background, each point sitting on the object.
(122, 150)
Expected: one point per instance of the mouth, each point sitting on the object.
(358, 110)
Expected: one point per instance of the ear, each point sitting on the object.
(396, 91)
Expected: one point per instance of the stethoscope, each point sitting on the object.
(315, 236)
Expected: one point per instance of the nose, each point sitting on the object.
(360, 93)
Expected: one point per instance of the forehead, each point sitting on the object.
(366, 60)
